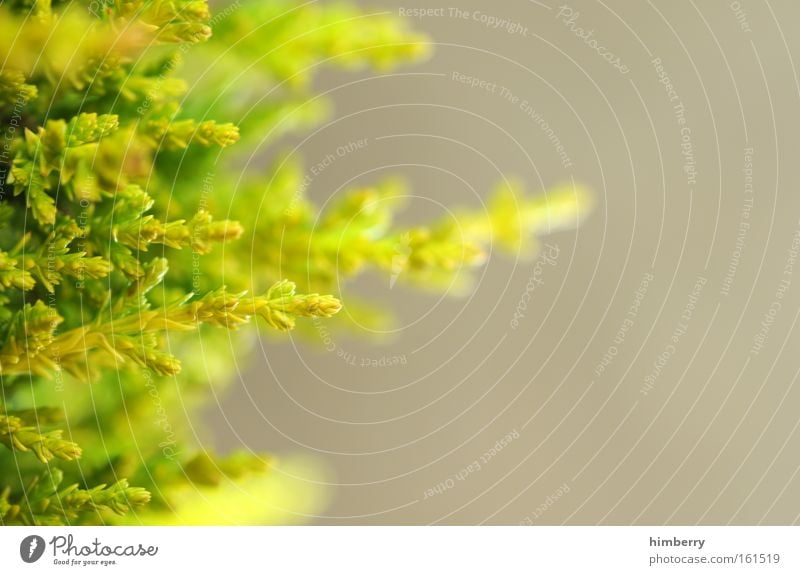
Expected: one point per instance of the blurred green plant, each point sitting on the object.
(109, 267)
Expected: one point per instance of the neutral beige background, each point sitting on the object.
(716, 439)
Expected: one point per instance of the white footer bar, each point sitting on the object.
(400, 550)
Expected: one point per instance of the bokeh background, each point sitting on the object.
(649, 375)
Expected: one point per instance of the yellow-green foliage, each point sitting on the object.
(110, 248)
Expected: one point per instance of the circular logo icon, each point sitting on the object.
(31, 548)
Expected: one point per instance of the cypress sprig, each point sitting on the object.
(45, 502)
(121, 339)
(178, 135)
(14, 88)
(18, 436)
(11, 276)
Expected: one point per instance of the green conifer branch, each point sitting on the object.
(177, 135)
(34, 347)
(11, 276)
(45, 502)
(18, 436)
(14, 88)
